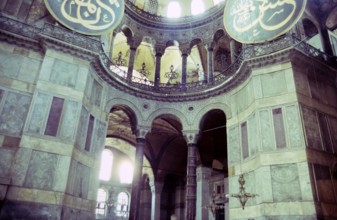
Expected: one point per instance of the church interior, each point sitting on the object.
(168, 110)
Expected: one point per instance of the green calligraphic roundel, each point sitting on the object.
(256, 21)
(91, 17)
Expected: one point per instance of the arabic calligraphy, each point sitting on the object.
(87, 16)
(260, 20)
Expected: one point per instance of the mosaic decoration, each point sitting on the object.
(91, 17)
(251, 21)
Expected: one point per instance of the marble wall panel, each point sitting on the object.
(54, 116)
(39, 113)
(254, 135)
(64, 73)
(263, 183)
(273, 84)
(314, 88)
(285, 183)
(99, 136)
(20, 165)
(244, 140)
(234, 148)
(70, 120)
(7, 156)
(82, 129)
(301, 80)
(41, 170)
(10, 64)
(61, 173)
(294, 126)
(267, 131)
(71, 177)
(331, 94)
(96, 95)
(333, 131)
(279, 128)
(1, 94)
(29, 70)
(14, 112)
(244, 97)
(311, 128)
(82, 177)
(88, 86)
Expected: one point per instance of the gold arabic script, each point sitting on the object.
(247, 14)
(94, 15)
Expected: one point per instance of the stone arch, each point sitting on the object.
(169, 111)
(130, 109)
(221, 106)
(310, 29)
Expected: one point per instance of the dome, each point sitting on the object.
(174, 8)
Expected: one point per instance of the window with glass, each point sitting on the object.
(173, 10)
(102, 197)
(126, 172)
(197, 7)
(122, 207)
(106, 165)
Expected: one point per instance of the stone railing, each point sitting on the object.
(112, 72)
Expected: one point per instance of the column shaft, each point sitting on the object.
(137, 183)
(184, 70)
(131, 63)
(157, 70)
(210, 66)
(191, 184)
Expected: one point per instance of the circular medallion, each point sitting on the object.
(256, 21)
(91, 17)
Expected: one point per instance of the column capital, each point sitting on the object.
(142, 131)
(185, 51)
(159, 49)
(210, 46)
(134, 43)
(191, 136)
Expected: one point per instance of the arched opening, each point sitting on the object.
(213, 161)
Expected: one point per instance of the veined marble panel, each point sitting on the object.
(89, 85)
(234, 146)
(1, 94)
(96, 94)
(273, 84)
(99, 135)
(61, 173)
(253, 135)
(41, 170)
(29, 70)
(7, 156)
(285, 183)
(294, 126)
(82, 181)
(333, 128)
(14, 113)
(267, 131)
(20, 165)
(82, 128)
(10, 64)
(39, 113)
(311, 128)
(70, 120)
(64, 73)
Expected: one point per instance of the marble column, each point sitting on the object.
(325, 39)
(210, 65)
(233, 50)
(191, 177)
(137, 175)
(113, 35)
(157, 70)
(156, 189)
(203, 175)
(131, 63)
(184, 69)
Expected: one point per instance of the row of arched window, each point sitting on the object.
(125, 169)
(121, 205)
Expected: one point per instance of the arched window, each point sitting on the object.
(102, 197)
(215, 2)
(197, 7)
(126, 172)
(122, 207)
(173, 10)
(106, 165)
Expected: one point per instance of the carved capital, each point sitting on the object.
(141, 132)
(191, 137)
